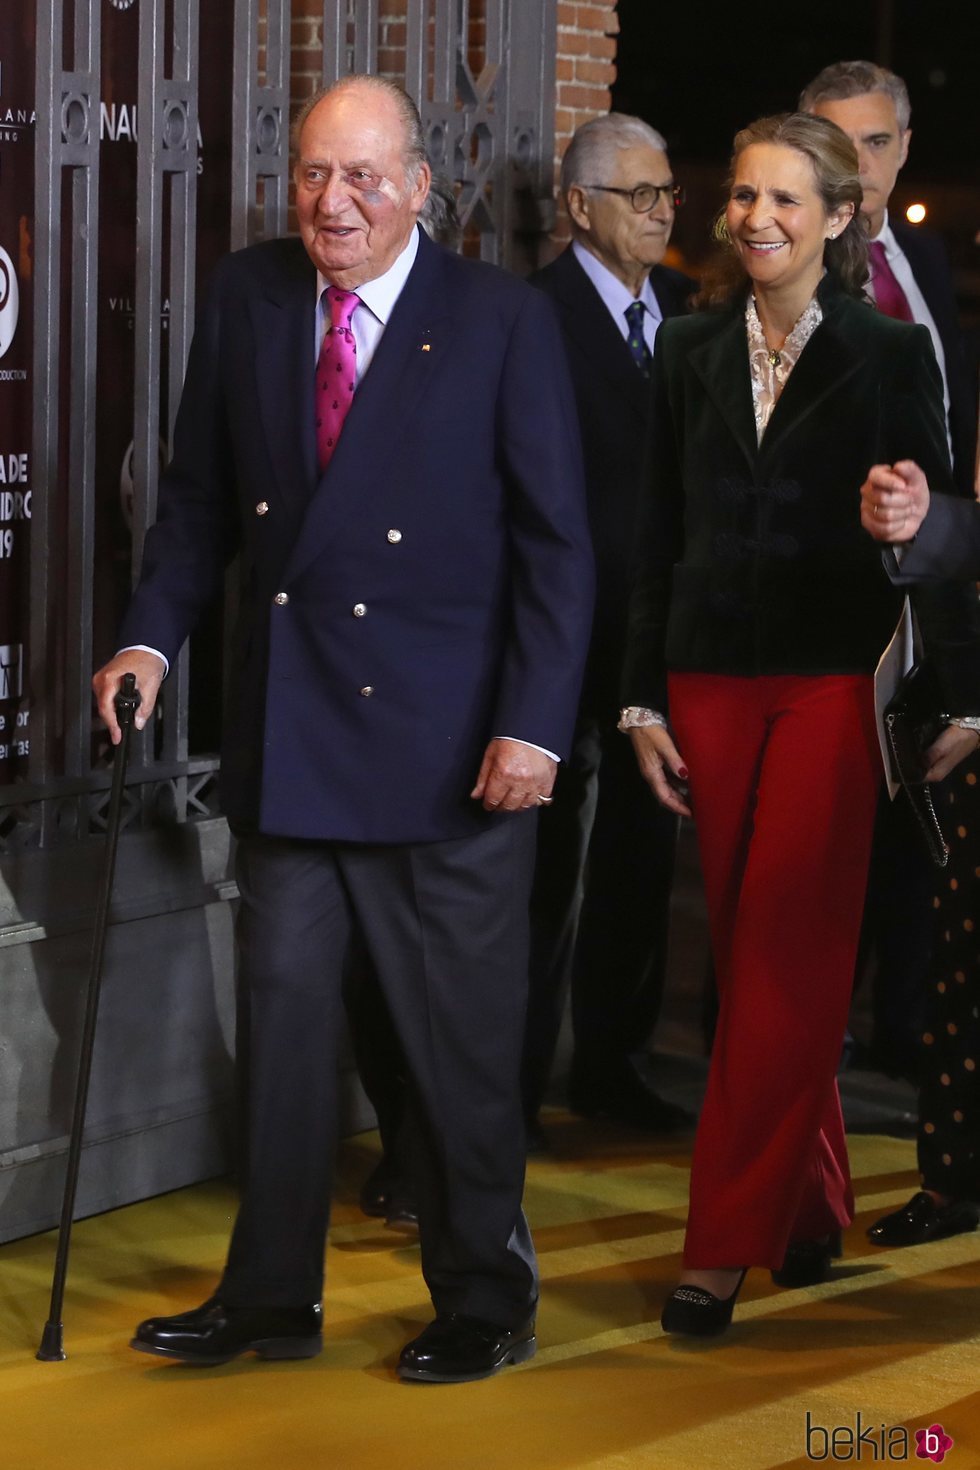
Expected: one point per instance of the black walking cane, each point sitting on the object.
(52, 1340)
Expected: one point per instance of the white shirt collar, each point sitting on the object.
(380, 295)
(616, 296)
(886, 238)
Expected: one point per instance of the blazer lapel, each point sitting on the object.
(387, 399)
(826, 365)
(282, 321)
(587, 320)
(722, 364)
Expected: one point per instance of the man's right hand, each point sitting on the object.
(149, 669)
(894, 501)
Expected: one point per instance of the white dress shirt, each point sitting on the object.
(902, 272)
(618, 297)
(378, 299)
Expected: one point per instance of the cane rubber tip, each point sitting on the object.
(52, 1344)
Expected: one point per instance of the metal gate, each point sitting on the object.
(488, 113)
(113, 260)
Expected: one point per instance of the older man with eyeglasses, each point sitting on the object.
(612, 291)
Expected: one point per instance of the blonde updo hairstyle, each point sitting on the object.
(834, 161)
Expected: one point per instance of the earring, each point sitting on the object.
(832, 235)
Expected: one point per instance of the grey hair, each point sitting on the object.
(440, 214)
(414, 151)
(845, 79)
(594, 143)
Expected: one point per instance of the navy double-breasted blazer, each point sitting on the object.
(431, 590)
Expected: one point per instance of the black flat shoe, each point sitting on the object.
(459, 1349)
(213, 1333)
(922, 1220)
(807, 1262)
(691, 1311)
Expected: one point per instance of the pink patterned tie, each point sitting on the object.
(889, 296)
(336, 373)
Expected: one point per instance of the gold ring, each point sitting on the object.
(545, 800)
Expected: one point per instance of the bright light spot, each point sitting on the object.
(915, 214)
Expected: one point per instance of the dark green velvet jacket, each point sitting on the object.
(751, 558)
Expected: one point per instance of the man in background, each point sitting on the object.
(910, 280)
(599, 906)
(910, 275)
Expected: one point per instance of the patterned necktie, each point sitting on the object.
(636, 342)
(889, 296)
(336, 373)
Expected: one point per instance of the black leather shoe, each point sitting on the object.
(402, 1213)
(535, 1138)
(922, 1219)
(373, 1198)
(459, 1349)
(214, 1333)
(807, 1262)
(691, 1311)
(385, 1196)
(625, 1096)
(376, 1189)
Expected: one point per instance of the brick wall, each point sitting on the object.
(587, 31)
(586, 70)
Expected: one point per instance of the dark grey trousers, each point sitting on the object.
(445, 926)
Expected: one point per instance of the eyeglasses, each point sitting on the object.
(644, 197)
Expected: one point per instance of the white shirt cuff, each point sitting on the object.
(145, 648)
(531, 745)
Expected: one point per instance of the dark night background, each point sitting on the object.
(700, 71)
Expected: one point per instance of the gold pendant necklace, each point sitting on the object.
(775, 357)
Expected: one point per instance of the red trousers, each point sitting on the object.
(784, 777)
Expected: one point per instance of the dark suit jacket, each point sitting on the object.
(453, 509)
(930, 267)
(948, 544)
(614, 409)
(752, 559)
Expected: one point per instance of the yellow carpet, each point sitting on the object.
(894, 1337)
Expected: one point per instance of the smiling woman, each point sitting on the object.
(794, 191)
(756, 622)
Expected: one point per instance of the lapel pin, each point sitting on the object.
(426, 347)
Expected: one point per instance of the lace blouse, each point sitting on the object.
(768, 369)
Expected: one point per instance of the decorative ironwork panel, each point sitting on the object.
(491, 127)
(260, 123)
(487, 111)
(166, 183)
(69, 99)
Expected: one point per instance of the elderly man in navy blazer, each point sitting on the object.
(417, 598)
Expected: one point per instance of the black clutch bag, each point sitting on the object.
(913, 720)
